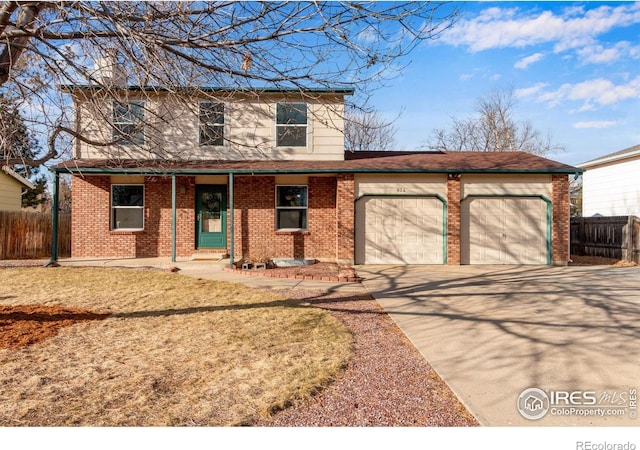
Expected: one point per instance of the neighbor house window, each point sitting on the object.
(127, 207)
(211, 123)
(128, 123)
(291, 207)
(291, 125)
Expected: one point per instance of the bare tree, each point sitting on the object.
(493, 129)
(174, 46)
(367, 130)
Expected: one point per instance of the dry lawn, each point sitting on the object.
(173, 351)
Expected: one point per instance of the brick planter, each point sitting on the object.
(274, 274)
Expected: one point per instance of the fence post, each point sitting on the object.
(53, 262)
(628, 239)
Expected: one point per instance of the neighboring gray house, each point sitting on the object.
(611, 184)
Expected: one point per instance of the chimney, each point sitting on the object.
(107, 71)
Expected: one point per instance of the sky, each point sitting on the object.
(574, 68)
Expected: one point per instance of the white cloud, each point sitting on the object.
(502, 28)
(528, 60)
(597, 54)
(595, 124)
(529, 91)
(594, 92)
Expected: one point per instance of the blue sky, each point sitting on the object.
(574, 67)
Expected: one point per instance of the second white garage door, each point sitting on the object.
(399, 230)
(504, 230)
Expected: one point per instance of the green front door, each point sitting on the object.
(211, 216)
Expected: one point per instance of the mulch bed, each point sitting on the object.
(320, 271)
(30, 324)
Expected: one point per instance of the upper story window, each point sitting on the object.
(211, 123)
(291, 125)
(128, 123)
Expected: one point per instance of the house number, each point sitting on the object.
(401, 190)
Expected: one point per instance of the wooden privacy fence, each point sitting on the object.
(26, 235)
(610, 237)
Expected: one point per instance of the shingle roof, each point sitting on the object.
(621, 154)
(381, 162)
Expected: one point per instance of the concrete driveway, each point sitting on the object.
(493, 331)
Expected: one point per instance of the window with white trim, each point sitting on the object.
(211, 123)
(291, 125)
(291, 207)
(127, 206)
(128, 122)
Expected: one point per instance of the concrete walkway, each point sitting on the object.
(214, 270)
(492, 332)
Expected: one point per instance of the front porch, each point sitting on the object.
(210, 215)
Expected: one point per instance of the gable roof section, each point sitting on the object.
(357, 162)
(613, 157)
(19, 178)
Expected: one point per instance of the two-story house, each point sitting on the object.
(262, 173)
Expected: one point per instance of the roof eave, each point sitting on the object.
(19, 178)
(156, 171)
(609, 159)
(70, 88)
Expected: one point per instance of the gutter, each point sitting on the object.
(143, 171)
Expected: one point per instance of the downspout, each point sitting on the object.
(53, 262)
(231, 225)
(173, 218)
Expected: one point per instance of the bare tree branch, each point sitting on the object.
(366, 130)
(493, 129)
(178, 44)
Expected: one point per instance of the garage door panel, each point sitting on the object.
(402, 230)
(503, 230)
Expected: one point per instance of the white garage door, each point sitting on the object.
(399, 230)
(504, 231)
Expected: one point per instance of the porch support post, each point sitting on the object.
(173, 217)
(231, 225)
(53, 262)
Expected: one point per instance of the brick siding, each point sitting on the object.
(345, 218)
(91, 234)
(254, 218)
(560, 219)
(453, 220)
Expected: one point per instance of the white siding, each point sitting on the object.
(516, 184)
(173, 129)
(612, 190)
(398, 184)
